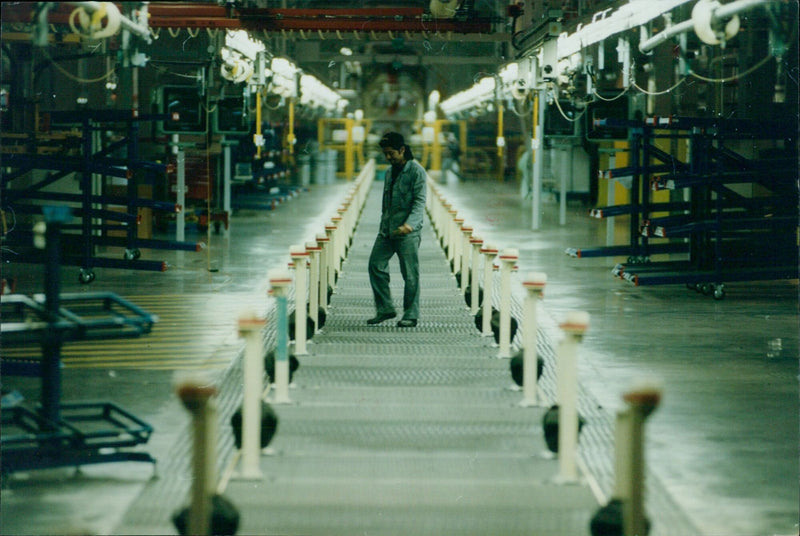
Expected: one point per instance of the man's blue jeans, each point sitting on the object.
(406, 247)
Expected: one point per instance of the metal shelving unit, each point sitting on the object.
(726, 235)
(96, 223)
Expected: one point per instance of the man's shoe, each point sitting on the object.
(406, 323)
(380, 318)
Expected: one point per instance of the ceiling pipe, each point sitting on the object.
(719, 14)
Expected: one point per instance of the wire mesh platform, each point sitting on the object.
(400, 430)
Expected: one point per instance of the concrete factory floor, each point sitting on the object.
(415, 431)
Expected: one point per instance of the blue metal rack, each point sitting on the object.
(726, 236)
(60, 434)
(88, 163)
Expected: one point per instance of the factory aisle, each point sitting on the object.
(407, 431)
(415, 431)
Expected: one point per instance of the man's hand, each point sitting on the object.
(403, 229)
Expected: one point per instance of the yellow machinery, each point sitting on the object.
(431, 157)
(347, 136)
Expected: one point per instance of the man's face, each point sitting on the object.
(394, 156)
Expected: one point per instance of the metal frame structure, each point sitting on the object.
(89, 164)
(60, 434)
(728, 236)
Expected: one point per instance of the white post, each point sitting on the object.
(466, 254)
(476, 243)
(642, 401)
(299, 256)
(458, 243)
(279, 281)
(250, 327)
(313, 281)
(573, 327)
(534, 283)
(538, 163)
(331, 252)
(489, 253)
(180, 189)
(345, 225)
(450, 237)
(508, 258)
(197, 398)
(324, 244)
(341, 233)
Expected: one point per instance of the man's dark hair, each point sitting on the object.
(395, 140)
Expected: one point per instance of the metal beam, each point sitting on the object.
(405, 59)
(204, 15)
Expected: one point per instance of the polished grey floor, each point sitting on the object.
(724, 442)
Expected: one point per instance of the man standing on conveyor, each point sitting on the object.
(402, 213)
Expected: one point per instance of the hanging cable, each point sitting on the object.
(72, 76)
(654, 93)
(561, 111)
(734, 77)
(596, 94)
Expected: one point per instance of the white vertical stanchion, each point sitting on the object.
(508, 258)
(451, 233)
(331, 252)
(476, 244)
(299, 256)
(340, 233)
(346, 231)
(574, 326)
(537, 146)
(279, 281)
(250, 327)
(444, 231)
(313, 281)
(324, 244)
(534, 283)
(489, 252)
(197, 397)
(642, 401)
(180, 192)
(458, 243)
(466, 256)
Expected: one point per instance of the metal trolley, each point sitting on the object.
(57, 434)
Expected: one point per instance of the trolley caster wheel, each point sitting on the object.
(719, 292)
(706, 289)
(132, 254)
(86, 276)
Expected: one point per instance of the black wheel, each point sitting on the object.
(86, 276)
(706, 289)
(132, 254)
(719, 292)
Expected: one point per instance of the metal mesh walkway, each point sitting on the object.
(406, 431)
